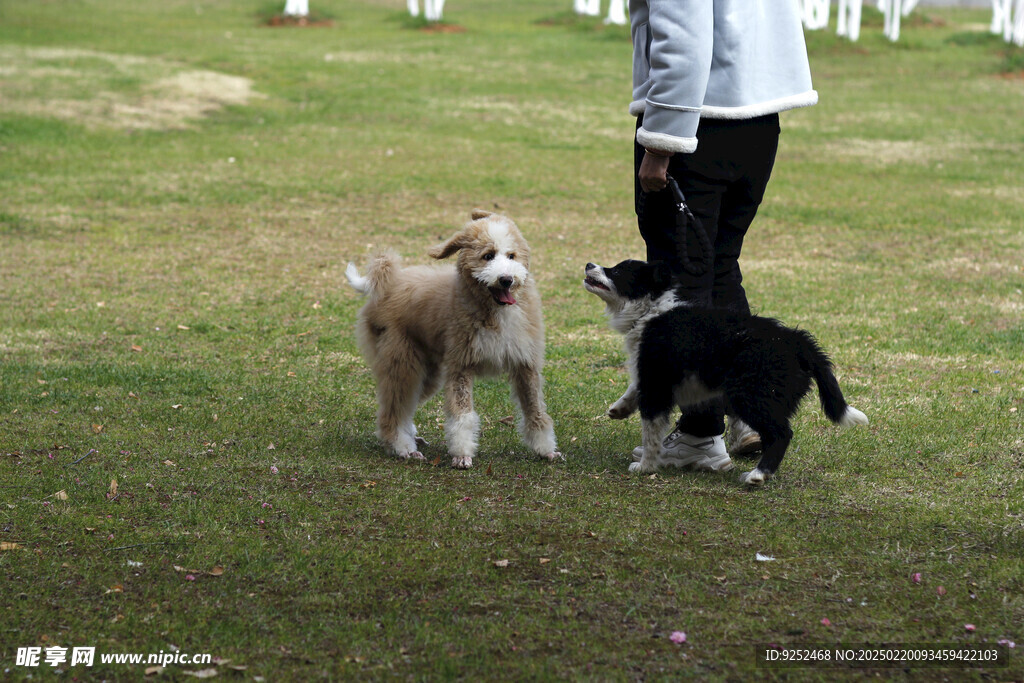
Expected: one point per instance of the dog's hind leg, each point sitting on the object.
(775, 440)
(462, 424)
(535, 424)
(394, 424)
(399, 373)
(428, 387)
(767, 402)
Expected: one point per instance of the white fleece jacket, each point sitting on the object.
(721, 59)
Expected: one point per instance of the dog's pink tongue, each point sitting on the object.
(505, 297)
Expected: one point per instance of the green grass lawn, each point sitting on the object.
(187, 459)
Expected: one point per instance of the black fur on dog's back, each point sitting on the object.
(727, 352)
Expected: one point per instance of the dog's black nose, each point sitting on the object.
(590, 266)
(505, 282)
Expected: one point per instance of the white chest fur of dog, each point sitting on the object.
(425, 327)
(501, 349)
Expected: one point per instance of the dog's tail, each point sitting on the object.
(833, 403)
(378, 275)
(358, 282)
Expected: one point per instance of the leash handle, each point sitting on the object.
(677, 194)
(686, 221)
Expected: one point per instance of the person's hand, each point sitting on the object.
(654, 171)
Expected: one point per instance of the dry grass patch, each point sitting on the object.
(89, 87)
(995, 193)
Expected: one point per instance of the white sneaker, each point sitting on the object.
(740, 439)
(685, 450)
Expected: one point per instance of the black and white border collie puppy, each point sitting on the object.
(682, 354)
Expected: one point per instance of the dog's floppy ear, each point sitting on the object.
(457, 241)
(481, 213)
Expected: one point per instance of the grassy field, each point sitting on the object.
(187, 459)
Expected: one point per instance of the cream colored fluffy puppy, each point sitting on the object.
(427, 326)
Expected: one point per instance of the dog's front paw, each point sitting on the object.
(410, 455)
(552, 456)
(641, 467)
(626, 405)
(618, 411)
(462, 462)
(754, 477)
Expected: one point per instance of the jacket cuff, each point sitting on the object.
(671, 128)
(668, 143)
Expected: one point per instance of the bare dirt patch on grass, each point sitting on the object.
(102, 89)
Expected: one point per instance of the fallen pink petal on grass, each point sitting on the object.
(916, 578)
(970, 628)
(274, 470)
(678, 637)
(826, 622)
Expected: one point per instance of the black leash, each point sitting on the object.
(685, 222)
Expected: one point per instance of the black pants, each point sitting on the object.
(723, 182)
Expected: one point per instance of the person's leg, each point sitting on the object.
(751, 147)
(705, 419)
(724, 183)
(700, 178)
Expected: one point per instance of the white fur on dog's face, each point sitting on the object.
(500, 260)
(493, 253)
(596, 282)
(632, 291)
